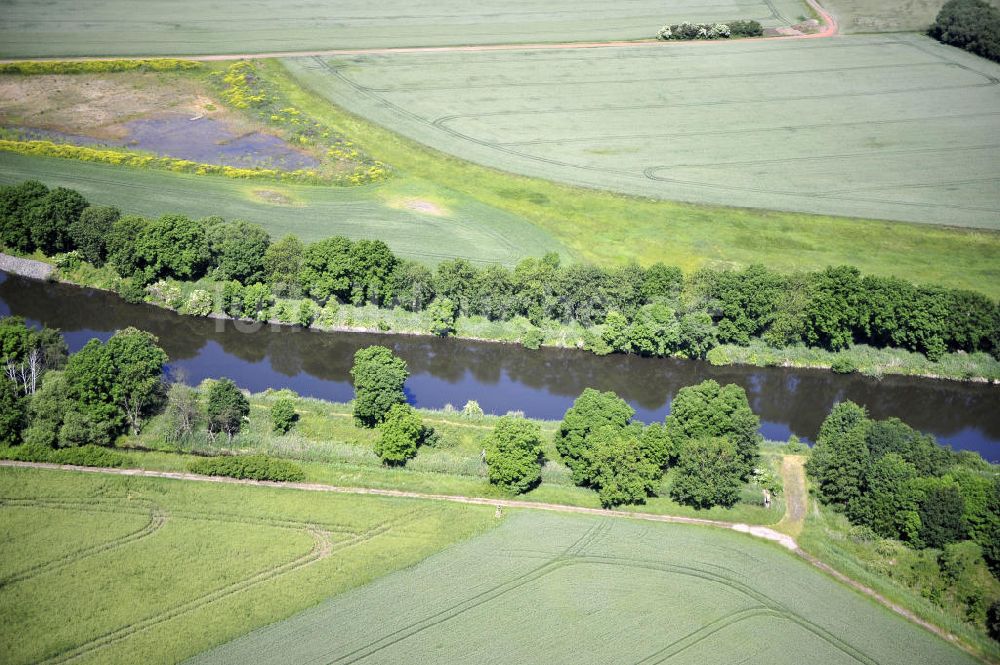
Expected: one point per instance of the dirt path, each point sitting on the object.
(830, 28)
(793, 477)
(795, 514)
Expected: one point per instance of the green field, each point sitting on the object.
(457, 227)
(104, 569)
(189, 27)
(899, 127)
(558, 589)
(857, 16)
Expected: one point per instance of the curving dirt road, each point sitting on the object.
(830, 28)
(792, 515)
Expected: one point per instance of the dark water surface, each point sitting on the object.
(540, 383)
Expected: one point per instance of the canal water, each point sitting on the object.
(503, 378)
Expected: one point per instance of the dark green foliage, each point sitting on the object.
(696, 335)
(709, 410)
(834, 309)
(894, 436)
(454, 279)
(993, 620)
(89, 455)
(90, 233)
(941, 515)
(402, 431)
(592, 411)
(29, 353)
(51, 217)
(12, 413)
(282, 265)
(326, 269)
(226, 408)
(746, 302)
(973, 25)
(132, 290)
(173, 246)
(619, 468)
(442, 315)
(492, 293)
(283, 415)
(841, 459)
(231, 299)
(116, 383)
(371, 267)
(662, 282)
(514, 454)
(749, 28)
(15, 202)
(249, 467)
(378, 376)
(843, 365)
(890, 504)
(412, 285)
(237, 250)
(123, 244)
(707, 474)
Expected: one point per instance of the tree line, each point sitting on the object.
(973, 25)
(654, 310)
(710, 437)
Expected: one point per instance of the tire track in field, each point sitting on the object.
(157, 520)
(323, 547)
(759, 532)
(561, 560)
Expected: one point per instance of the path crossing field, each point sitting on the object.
(563, 589)
(885, 127)
(57, 28)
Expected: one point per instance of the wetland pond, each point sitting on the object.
(541, 384)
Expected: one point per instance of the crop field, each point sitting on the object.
(446, 226)
(560, 589)
(881, 127)
(188, 27)
(857, 16)
(129, 570)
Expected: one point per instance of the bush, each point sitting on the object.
(514, 454)
(749, 28)
(199, 303)
(533, 339)
(472, 410)
(250, 467)
(132, 291)
(226, 409)
(90, 455)
(283, 415)
(685, 30)
(843, 365)
(401, 434)
(973, 25)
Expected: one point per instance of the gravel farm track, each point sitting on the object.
(795, 514)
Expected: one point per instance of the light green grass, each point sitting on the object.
(610, 229)
(857, 16)
(898, 128)
(333, 451)
(560, 589)
(466, 228)
(189, 27)
(203, 564)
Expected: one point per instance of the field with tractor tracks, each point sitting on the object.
(99, 569)
(188, 27)
(562, 589)
(883, 127)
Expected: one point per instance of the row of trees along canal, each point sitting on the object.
(653, 311)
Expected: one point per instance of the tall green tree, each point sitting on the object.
(514, 454)
(51, 217)
(90, 232)
(840, 461)
(941, 514)
(371, 266)
(619, 468)
(326, 269)
(835, 308)
(890, 502)
(123, 244)
(15, 203)
(173, 246)
(282, 265)
(12, 413)
(591, 411)
(707, 474)
(379, 376)
(238, 249)
(708, 410)
(226, 408)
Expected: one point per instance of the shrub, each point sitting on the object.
(379, 376)
(533, 339)
(283, 415)
(83, 456)
(227, 407)
(514, 454)
(472, 410)
(749, 28)
(199, 303)
(708, 474)
(843, 365)
(685, 30)
(250, 467)
(131, 291)
(32, 67)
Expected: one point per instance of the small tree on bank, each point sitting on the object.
(379, 376)
(226, 408)
(514, 454)
(402, 431)
(620, 469)
(283, 415)
(708, 474)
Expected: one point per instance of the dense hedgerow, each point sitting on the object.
(89, 455)
(252, 467)
(32, 67)
(732, 29)
(973, 25)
